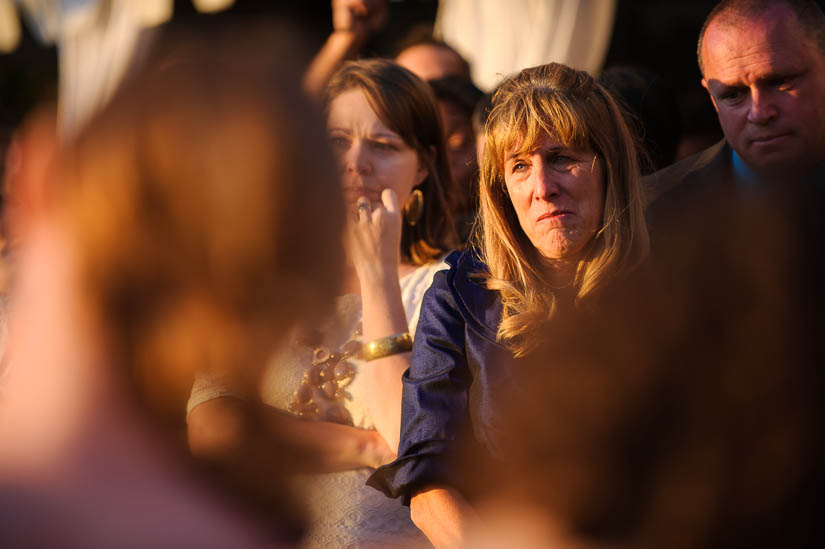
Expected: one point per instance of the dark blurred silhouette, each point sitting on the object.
(653, 108)
(685, 409)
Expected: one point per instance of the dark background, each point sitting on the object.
(659, 36)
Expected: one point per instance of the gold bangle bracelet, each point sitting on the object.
(386, 346)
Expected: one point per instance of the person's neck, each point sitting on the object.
(559, 273)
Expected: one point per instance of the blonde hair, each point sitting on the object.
(572, 107)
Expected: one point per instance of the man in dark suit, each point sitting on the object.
(734, 297)
(763, 64)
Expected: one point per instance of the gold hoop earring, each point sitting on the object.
(414, 208)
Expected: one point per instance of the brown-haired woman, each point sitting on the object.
(383, 124)
(561, 215)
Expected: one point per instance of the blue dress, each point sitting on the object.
(452, 391)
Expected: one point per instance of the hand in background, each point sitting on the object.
(361, 17)
(353, 22)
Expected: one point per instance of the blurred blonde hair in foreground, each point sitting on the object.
(190, 225)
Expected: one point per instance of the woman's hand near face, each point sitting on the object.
(374, 243)
(374, 240)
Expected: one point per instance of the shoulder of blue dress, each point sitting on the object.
(466, 280)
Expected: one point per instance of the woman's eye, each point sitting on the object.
(561, 161)
(519, 166)
(338, 142)
(383, 146)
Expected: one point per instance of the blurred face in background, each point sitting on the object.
(558, 196)
(430, 61)
(461, 151)
(371, 156)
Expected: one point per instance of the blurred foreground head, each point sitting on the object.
(190, 225)
(203, 209)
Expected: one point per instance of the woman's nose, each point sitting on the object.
(545, 186)
(357, 158)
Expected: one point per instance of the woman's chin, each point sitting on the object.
(558, 246)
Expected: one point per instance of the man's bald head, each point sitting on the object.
(732, 13)
(430, 59)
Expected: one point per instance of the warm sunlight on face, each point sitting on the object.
(372, 157)
(558, 195)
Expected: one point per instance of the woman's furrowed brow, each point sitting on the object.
(553, 149)
(386, 135)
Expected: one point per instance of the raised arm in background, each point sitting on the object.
(353, 22)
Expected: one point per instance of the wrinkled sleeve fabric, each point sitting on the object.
(434, 408)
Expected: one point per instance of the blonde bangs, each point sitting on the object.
(515, 125)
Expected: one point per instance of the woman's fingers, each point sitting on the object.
(362, 208)
(366, 211)
(390, 200)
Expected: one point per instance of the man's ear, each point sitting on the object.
(712, 100)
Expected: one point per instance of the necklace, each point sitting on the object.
(321, 393)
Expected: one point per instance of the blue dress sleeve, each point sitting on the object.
(435, 399)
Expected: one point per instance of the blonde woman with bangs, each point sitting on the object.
(561, 215)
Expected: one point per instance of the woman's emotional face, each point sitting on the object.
(371, 156)
(558, 196)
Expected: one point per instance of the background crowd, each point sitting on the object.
(313, 274)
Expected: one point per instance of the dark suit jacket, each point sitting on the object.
(712, 166)
(737, 286)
